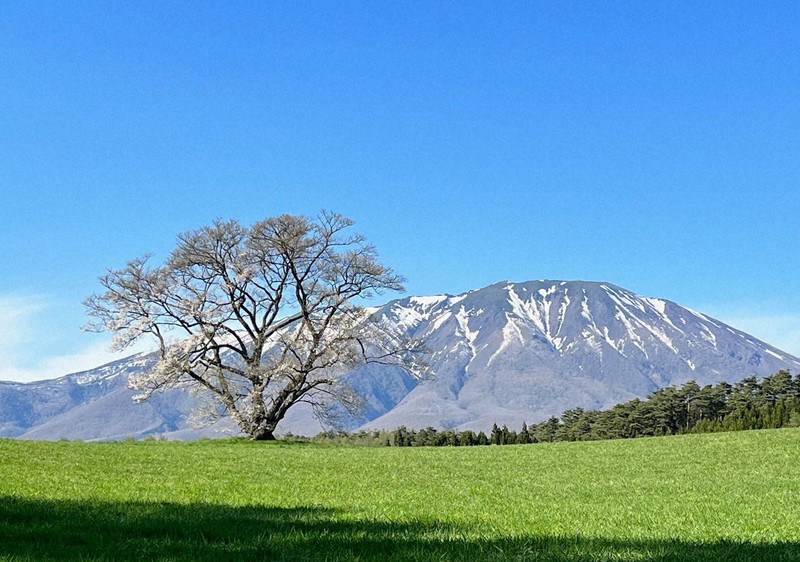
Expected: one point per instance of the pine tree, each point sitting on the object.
(496, 436)
(524, 436)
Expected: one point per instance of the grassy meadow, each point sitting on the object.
(725, 496)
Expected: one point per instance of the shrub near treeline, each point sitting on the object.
(772, 403)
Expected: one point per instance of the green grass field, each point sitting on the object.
(730, 497)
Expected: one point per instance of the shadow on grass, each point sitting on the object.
(96, 530)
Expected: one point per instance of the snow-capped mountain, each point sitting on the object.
(515, 352)
(507, 353)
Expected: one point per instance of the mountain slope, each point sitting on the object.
(507, 353)
(514, 352)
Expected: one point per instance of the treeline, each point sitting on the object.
(773, 402)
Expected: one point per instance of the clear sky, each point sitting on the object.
(651, 145)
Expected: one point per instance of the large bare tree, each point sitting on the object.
(259, 317)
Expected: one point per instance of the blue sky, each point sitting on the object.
(651, 145)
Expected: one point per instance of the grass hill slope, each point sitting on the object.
(729, 496)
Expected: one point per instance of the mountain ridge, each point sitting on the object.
(506, 353)
(538, 337)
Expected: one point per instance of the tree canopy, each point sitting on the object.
(260, 318)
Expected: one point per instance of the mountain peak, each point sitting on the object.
(522, 351)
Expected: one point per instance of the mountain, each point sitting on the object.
(507, 353)
(95, 404)
(515, 352)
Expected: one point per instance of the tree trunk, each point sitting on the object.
(260, 429)
(264, 435)
(260, 426)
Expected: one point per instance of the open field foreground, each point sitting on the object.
(733, 496)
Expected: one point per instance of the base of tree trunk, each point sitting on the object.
(263, 437)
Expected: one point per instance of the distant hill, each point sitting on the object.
(507, 353)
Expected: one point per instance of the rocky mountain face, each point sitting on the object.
(507, 353)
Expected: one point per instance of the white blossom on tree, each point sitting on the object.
(260, 318)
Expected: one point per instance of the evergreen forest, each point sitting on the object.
(770, 403)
